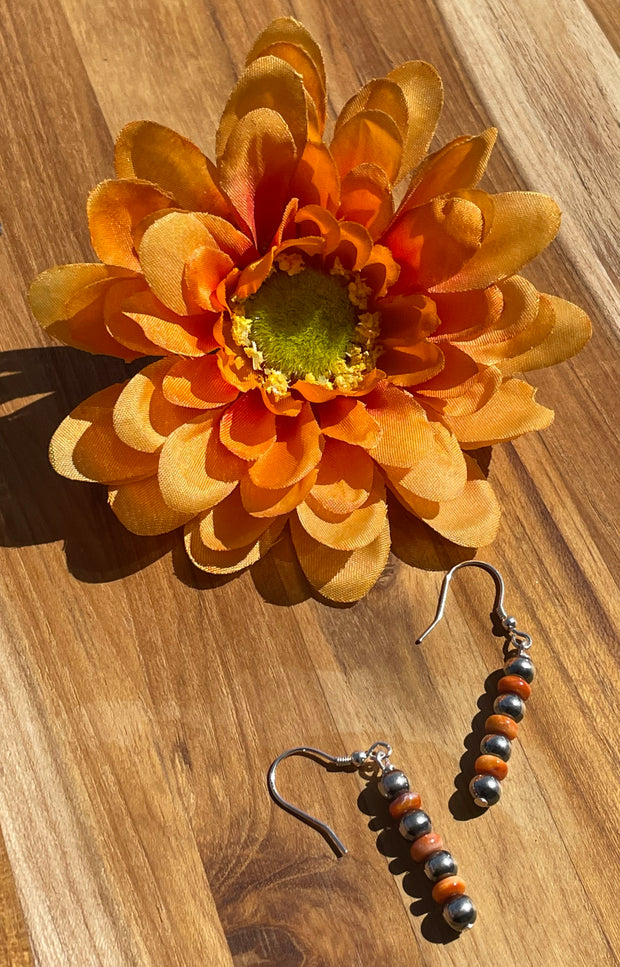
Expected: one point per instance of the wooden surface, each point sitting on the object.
(141, 703)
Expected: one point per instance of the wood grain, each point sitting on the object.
(141, 703)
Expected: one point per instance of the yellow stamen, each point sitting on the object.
(359, 292)
(276, 383)
(241, 330)
(291, 262)
(338, 268)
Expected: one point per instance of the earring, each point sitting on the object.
(514, 690)
(414, 824)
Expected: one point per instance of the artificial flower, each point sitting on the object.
(317, 347)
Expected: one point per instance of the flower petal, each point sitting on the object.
(315, 180)
(345, 478)
(230, 239)
(227, 526)
(165, 248)
(379, 94)
(157, 154)
(228, 562)
(314, 220)
(255, 170)
(140, 508)
(253, 276)
(247, 427)
(142, 416)
(458, 165)
(204, 270)
(431, 243)
(123, 329)
(509, 414)
(369, 137)
(465, 398)
(471, 519)
(406, 435)
(286, 30)
(115, 208)
(303, 64)
(380, 272)
(524, 322)
(348, 420)
(523, 224)
(68, 300)
(296, 452)
(352, 248)
(85, 446)
(423, 90)
(455, 374)
(179, 335)
(346, 532)
(341, 575)
(440, 475)
(266, 83)
(281, 406)
(417, 544)
(412, 365)
(570, 332)
(195, 470)
(366, 197)
(271, 503)
(407, 319)
(290, 41)
(465, 315)
(198, 383)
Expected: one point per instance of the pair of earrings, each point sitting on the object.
(491, 767)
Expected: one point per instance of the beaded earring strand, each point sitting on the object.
(514, 690)
(414, 825)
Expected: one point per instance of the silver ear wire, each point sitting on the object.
(378, 755)
(519, 639)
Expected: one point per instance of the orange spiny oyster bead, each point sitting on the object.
(502, 724)
(404, 803)
(516, 684)
(449, 886)
(491, 765)
(425, 845)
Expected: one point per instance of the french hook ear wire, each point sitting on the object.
(375, 759)
(519, 639)
(321, 827)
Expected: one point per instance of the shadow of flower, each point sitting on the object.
(37, 506)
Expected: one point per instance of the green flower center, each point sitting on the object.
(302, 323)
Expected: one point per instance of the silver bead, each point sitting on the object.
(460, 913)
(522, 666)
(509, 622)
(440, 864)
(498, 745)
(359, 758)
(415, 824)
(485, 790)
(393, 783)
(509, 704)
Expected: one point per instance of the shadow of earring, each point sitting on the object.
(461, 804)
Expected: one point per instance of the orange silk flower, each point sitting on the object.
(316, 348)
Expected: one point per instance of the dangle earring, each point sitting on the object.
(414, 824)
(513, 688)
